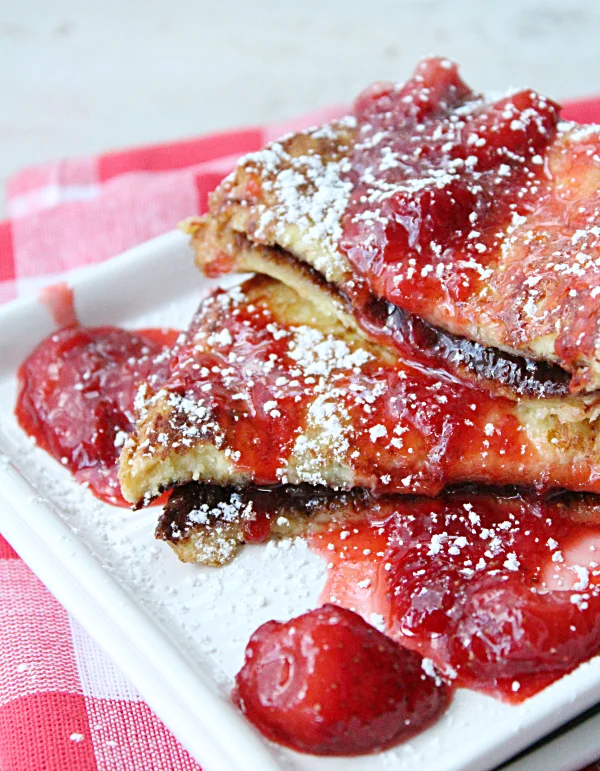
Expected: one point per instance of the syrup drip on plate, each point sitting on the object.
(60, 302)
(494, 590)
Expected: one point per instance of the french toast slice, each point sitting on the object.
(497, 371)
(266, 388)
(208, 525)
(524, 279)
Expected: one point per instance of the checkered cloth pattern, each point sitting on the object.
(63, 704)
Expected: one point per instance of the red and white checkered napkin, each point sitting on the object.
(63, 705)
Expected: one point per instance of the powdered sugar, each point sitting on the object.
(307, 192)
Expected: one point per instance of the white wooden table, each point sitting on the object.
(78, 76)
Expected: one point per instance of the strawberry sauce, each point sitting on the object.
(76, 394)
(500, 591)
(438, 172)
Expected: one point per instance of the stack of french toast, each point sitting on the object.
(423, 315)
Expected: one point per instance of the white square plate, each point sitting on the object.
(178, 631)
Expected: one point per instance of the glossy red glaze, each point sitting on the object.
(76, 393)
(501, 592)
(60, 302)
(235, 373)
(328, 683)
(438, 170)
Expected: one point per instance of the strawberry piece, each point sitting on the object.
(328, 683)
